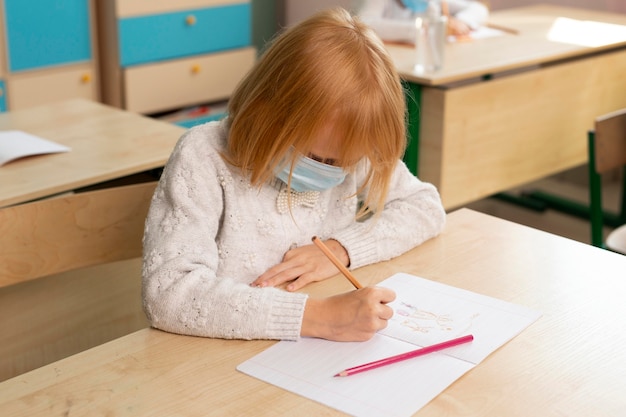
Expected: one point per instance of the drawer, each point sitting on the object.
(127, 8)
(35, 88)
(184, 82)
(158, 37)
(36, 29)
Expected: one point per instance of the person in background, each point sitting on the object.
(311, 146)
(394, 21)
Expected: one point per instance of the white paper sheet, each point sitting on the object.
(16, 144)
(481, 32)
(586, 32)
(426, 312)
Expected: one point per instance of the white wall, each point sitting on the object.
(618, 6)
(295, 10)
(292, 11)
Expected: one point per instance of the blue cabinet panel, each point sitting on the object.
(158, 37)
(3, 97)
(43, 33)
(189, 123)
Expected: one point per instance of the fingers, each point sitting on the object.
(279, 274)
(354, 316)
(385, 313)
(373, 314)
(301, 265)
(300, 275)
(380, 313)
(300, 282)
(380, 297)
(458, 28)
(386, 295)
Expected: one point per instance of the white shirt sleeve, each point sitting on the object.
(388, 20)
(472, 13)
(393, 23)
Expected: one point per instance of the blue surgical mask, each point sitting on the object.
(311, 175)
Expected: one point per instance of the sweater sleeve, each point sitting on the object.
(182, 292)
(393, 24)
(472, 13)
(413, 213)
(388, 27)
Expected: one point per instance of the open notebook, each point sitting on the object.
(15, 144)
(425, 313)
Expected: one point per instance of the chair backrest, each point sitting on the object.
(610, 138)
(74, 231)
(607, 152)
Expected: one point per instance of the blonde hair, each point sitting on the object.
(328, 67)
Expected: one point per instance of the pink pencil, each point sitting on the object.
(407, 355)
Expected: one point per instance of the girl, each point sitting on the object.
(311, 146)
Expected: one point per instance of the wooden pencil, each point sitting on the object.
(318, 242)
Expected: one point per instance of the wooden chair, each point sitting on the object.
(607, 152)
(70, 274)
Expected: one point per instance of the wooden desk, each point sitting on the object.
(570, 362)
(107, 143)
(508, 110)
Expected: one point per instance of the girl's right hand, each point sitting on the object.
(350, 317)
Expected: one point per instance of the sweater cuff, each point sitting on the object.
(361, 247)
(285, 321)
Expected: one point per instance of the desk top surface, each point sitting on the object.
(569, 362)
(107, 143)
(536, 35)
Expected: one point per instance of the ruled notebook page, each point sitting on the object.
(425, 312)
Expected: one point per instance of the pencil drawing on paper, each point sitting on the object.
(424, 321)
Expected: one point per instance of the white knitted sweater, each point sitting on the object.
(209, 234)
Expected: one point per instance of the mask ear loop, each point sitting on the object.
(292, 166)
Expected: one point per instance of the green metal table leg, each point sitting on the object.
(562, 204)
(575, 208)
(413, 93)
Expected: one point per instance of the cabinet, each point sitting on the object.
(47, 52)
(160, 55)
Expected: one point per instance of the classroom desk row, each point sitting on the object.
(503, 111)
(569, 362)
(106, 144)
(109, 147)
(508, 110)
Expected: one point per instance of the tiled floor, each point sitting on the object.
(549, 220)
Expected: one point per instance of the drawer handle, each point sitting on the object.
(190, 20)
(85, 78)
(195, 69)
(1, 92)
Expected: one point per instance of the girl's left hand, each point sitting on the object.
(458, 28)
(302, 266)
